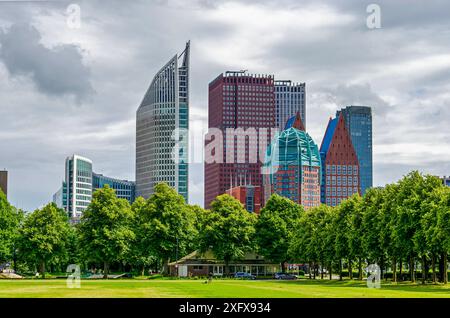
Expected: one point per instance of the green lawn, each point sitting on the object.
(218, 288)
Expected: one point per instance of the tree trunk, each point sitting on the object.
(401, 269)
(350, 269)
(321, 270)
(411, 269)
(314, 270)
(283, 266)
(424, 264)
(331, 270)
(227, 267)
(360, 274)
(105, 270)
(43, 268)
(309, 269)
(143, 270)
(445, 268)
(340, 269)
(394, 270)
(433, 266)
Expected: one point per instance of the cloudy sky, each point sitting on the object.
(67, 90)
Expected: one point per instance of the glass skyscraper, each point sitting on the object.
(290, 99)
(293, 166)
(162, 121)
(358, 120)
(124, 189)
(78, 185)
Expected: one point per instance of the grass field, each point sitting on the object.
(218, 288)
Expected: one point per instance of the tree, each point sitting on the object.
(305, 244)
(275, 227)
(105, 228)
(44, 235)
(414, 189)
(166, 225)
(372, 225)
(434, 235)
(9, 228)
(443, 231)
(229, 230)
(356, 232)
(139, 253)
(342, 225)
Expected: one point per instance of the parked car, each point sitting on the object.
(243, 275)
(285, 276)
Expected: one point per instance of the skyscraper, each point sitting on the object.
(358, 120)
(238, 100)
(294, 163)
(124, 189)
(78, 185)
(164, 109)
(60, 197)
(290, 99)
(4, 181)
(340, 166)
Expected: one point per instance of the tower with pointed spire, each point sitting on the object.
(340, 166)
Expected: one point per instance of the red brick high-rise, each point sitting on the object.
(340, 165)
(238, 100)
(250, 196)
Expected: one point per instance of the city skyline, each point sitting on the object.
(88, 107)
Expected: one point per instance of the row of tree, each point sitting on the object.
(403, 224)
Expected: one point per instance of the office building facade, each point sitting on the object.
(4, 182)
(250, 196)
(358, 120)
(290, 99)
(238, 101)
(124, 189)
(78, 185)
(75, 193)
(340, 165)
(294, 166)
(162, 121)
(60, 197)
